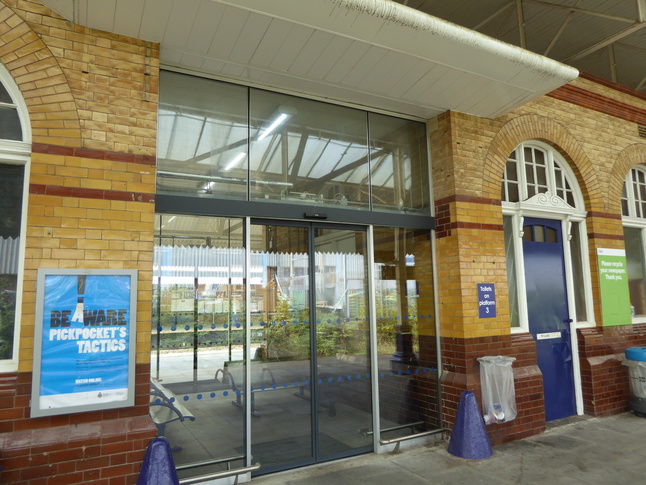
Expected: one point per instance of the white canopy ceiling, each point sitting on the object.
(374, 53)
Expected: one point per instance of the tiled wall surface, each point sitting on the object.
(92, 101)
(595, 127)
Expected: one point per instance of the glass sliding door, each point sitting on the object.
(198, 335)
(309, 406)
(406, 336)
(343, 381)
(261, 340)
(281, 423)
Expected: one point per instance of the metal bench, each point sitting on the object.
(165, 407)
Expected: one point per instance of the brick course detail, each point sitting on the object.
(92, 103)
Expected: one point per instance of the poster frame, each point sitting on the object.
(37, 410)
(614, 293)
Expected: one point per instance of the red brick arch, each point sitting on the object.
(535, 127)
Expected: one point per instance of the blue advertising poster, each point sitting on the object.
(85, 341)
(486, 300)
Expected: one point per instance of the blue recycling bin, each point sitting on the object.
(636, 363)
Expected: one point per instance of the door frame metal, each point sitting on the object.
(311, 226)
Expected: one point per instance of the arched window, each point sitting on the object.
(535, 168)
(538, 183)
(633, 211)
(14, 168)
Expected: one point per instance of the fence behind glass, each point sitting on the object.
(311, 389)
(198, 353)
(281, 426)
(309, 406)
(343, 378)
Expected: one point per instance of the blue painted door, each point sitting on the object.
(547, 311)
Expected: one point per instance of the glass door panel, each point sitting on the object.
(198, 339)
(344, 390)
(281, 426)
(296, 419)
(406, 342)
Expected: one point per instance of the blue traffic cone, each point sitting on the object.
(158, 467)
(469, 438)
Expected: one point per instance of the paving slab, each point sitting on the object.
(581, 450)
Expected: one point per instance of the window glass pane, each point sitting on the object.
(539, 157)
(577, 273)
(550, 235)
(635, 261)
(11, 184)
(197, 345)
(4, 95)
(510, 181)
(512, 282)
(202, 137)
(512, 170)
(529, 174)
(405, 332)
(624, 201)
(305, 151)
(539, 233)
(541, 177)
(558, 179)
(512, 192)
(399, 164)
(528, 234)
(10, 124)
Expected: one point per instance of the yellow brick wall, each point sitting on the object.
(469, 156)
(83, 87)
(92, 101)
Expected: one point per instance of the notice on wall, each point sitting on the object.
(84, 341)
(486, 300)
(613, 281)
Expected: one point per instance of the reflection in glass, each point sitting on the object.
(578, 273)
(281, 430)
(226, 141)
(398, 164)
(408, 393)
(337, 401)
(512, 277)
(305, 151)
(633, 238)
(202, 137)
(198, 338)
(344, 399)
(11, 185)
(10, 128)
(5, 97)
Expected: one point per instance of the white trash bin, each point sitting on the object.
(636, 363)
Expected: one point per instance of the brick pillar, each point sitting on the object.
(92, 101)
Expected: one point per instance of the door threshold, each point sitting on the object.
(570, 420)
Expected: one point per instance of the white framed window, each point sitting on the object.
(538, 182)
(633, 211)
(15, 149)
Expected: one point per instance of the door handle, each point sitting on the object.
(568, 320)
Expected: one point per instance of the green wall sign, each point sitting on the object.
(613, 280)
